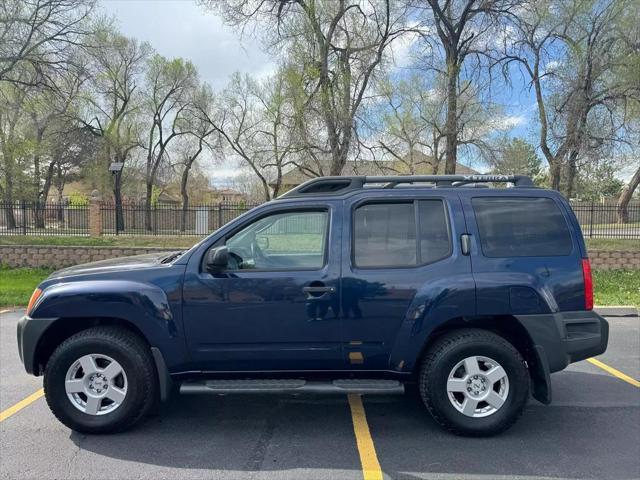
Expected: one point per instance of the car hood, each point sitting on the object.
(111, 265)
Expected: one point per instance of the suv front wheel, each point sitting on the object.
(100, 380)
(474, 382)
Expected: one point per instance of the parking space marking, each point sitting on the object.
(368, 458)
(614, 372)
(21, 404)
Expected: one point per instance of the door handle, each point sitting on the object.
(317, 291)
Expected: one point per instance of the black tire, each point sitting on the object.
(445, 354)
(130, 351)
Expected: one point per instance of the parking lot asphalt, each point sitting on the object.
(591, 430)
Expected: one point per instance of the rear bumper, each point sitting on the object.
(29, 332)
(560, 339)
(567, 337)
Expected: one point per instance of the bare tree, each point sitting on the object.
(626, 195)
(255, 124)
(464, 29)
(411, 123)
(170, 84)
(113, 101)
(38, 36)
(334, 48)
(565, 50)
(195, 142)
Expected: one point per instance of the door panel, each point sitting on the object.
(386, 307)
(278, 313)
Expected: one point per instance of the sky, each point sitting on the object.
(181, 28)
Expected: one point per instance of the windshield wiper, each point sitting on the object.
(172, 257)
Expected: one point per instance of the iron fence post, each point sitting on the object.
(591, 220)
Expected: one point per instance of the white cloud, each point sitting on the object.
(183, 29)
(510, 121)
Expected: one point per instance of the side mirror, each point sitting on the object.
(217, 259)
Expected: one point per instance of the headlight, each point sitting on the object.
(34, 298)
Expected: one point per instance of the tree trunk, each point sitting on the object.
(117, 196)
(60, 187)
(625, 197)
(9, 215)
(451, 125)
(147, 206)
(185, 197)
(43, 195)
(8, 204)
(555, 171)
(571, 173)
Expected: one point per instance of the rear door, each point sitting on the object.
(402, 267)
(525, 255)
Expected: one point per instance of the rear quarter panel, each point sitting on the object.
(525, 284)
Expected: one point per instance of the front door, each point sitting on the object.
(276, 305)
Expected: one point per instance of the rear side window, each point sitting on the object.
(521, 227)
(384, 234)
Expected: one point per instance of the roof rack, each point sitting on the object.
(340, 185)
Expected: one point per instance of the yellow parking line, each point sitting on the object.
(21, 404)
(614, 372)
(368, 459)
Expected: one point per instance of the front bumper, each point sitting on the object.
(29, 331)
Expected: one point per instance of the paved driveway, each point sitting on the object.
(592, 430)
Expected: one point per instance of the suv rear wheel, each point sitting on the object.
(474, 382)
(100, 380)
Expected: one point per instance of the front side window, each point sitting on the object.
(384, 234)
(281, 241)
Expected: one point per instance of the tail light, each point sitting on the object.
(588, 284)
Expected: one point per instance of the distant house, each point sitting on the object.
(228, 195)
(167, 199)
(414, 163)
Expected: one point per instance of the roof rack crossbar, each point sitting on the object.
(339, 185)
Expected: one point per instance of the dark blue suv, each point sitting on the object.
(344, 284)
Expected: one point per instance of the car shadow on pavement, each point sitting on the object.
(591, 432)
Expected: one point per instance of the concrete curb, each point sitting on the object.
(617, 311)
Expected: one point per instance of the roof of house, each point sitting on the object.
(421, 163)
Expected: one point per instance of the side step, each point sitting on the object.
(293, 386)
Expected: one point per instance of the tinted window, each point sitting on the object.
(385, 235)
(521, 227)
(434, 232)
(282, 241)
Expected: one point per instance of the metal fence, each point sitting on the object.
(169, 220)
(597, 219)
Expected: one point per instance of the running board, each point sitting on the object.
(293, 386)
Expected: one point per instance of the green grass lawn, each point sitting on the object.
(617, 287)
(611, 287)
(609, 244)
(17, 284)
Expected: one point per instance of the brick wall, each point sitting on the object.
(59, 257)
(614, 260)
